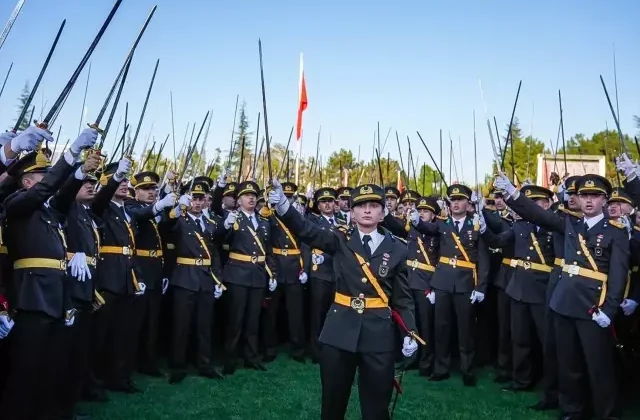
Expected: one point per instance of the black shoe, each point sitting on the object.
(81, 416)
(255, 366)
(502, 379)
(437, 377)
(95, 395)
(210, 373)
(126, 387)
(469, 380)
(228, 370)
(513, 387)
(315, 361)
(151, 371)
(425, 372)
(177, 377)
(269, 358)
(299, 359)
(544, 405)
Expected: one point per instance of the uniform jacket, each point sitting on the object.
(149, 256)
(283, 240)
(324, 271)
(372, 330)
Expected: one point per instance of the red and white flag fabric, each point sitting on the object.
(302, 101)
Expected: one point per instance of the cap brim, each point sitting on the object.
(366, 198)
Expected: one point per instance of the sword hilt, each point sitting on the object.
(97, 128)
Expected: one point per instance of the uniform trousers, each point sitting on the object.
(245, 305)
(148, 310)
(527, 322)
(586, 354)
(446, 304)
(322, 295)
(293, 294)
(34, 353)
(505, 363)
(375, 382)
(424, 318)
(188, 305)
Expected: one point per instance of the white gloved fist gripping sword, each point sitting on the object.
(409, 346)
(628, 168)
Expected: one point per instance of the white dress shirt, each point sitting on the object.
(123, 210)
(592, 221)
(198, 220)
(330, 220)
(376, 239)
(252, 217)
(347, 216)
(461, 222)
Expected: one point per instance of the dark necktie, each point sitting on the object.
(331, 221)
(367, 248)
(199, 224)
(586, 226)
(251, 221)
(457, 223)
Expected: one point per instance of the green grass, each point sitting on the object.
(291, 391)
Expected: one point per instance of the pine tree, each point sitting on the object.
(242, 132)
(22, 102)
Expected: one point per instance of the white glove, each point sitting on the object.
(70, 318)
(29, 138)
(477, 297)
(230, 220)
(78, 267)
(142, 287)
(432, 297)
(124, 167)
(474, 197)
(624, 165)
(503, 183)
(309, 193)
(272, 284)
(222, 178)
(6, 324)
(415, 217)
(6, 137)
(217, 291)
(629, 306)
(185, 200)
(317, 259)
(409, 346)
(165, 285)
(479, 218)
(303, 277)
(627, 223)
(276, 195)
(166, 202)
(85, 140)
(601, 319)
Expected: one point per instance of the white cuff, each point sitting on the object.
(118, 177)
(283, 207)
(68, 157)
(155, 208)
(79, 174)
(3, 157)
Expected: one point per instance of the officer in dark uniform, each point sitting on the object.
(247, 274)
(371, 282)
(38, 248)
(422, 257)
(408, 199)
(196, 282)
(149, 259)
(320, 268)
(343, 215)
(289, 259)
(532, 262)
(459, 282)
(587, 297)
(391, 195)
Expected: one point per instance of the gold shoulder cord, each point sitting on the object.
(583, 246)
(255, 237)
(426, 256)
(466, 257)
(206, 249)
(536, 245)
(293, 241)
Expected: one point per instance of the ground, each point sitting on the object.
(291, 391)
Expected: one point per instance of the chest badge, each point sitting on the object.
(598, 252)
(383, 270)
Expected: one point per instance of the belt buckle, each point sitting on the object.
(153, 253)
(199, 262)
(453, 262)
(126, 250)
(526, 265)
(357, 303)
(513, 263)
(285, 252)
(63, 265)
(574, 269)
(254, 259)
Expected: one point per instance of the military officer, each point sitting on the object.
(343, 214)
(408, 198)
(532, 262)
(587, 297)
(459, 282)
(358, 332)
(391, 198)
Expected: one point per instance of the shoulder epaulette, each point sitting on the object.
(636, 228)
(570, 212)
(404, 241)
(443, 218)
(615, 223)
(213, 222)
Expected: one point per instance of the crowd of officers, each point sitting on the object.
(528, 279)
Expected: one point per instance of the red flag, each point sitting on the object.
(302, 101)
(400, 185)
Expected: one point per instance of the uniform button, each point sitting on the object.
(361, 295)
(364, 280)
(575, 263)
(335, 310)
(286, 246)
(528, 258)
(456, 247)
(360, 311)
(530, 248)
(599, 288)
(579, 253)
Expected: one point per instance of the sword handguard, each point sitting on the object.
(95, 127)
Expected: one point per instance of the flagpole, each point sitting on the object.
(299, 134)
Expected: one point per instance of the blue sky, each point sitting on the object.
(412, 66)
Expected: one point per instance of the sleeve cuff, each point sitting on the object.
(281, 209)
(68, 157)
(79, 175)
(117, 177)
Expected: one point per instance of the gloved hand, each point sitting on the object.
(303, 277)
(629, 306)
(79, 268)
(474, 197)
(124, 167)
(309, 193)
(70, 317)
(272, 284)
(185, 200)
(432, 297)
(6, 137)
(230, 220)
(503, 183)
(601, 319)
(477, 297)
(142, 287)
(165, 285)
(624, 165)
(6, 324)
(217, 291)
(627, 223)
(166, 202)
(409, 346)
(29, 138)
(222, 178)
(479, 218)
(414, 216)
(85, 140)
(276, 195)
(317, 259)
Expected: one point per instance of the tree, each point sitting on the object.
(242, 138)
(525, 151)
(22, 103)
